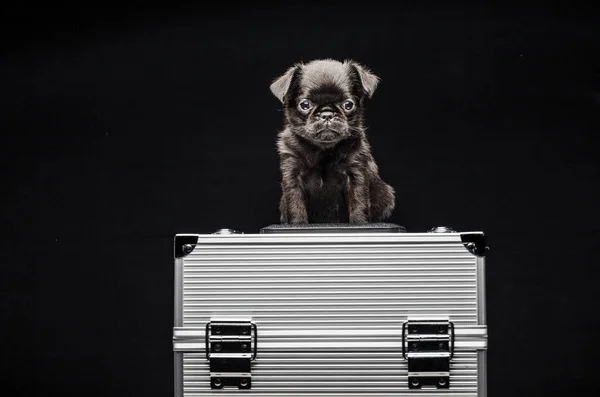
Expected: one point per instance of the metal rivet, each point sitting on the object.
(217, 330)
(441, 345)
(414, 382)
(244, 382)
(442, 381)
(217, 382)
(187, 248)
(442, 329)
(245, 347)
(217, 347)
(244, 331)
(414, 345)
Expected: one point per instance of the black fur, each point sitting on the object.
(328, 172)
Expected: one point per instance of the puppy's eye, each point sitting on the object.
(305, 105)
(348, 104)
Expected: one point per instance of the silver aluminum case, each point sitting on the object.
(329, 309)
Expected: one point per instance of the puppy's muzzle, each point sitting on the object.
(326, 116)
(327, 135)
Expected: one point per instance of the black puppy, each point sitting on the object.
(328, 172)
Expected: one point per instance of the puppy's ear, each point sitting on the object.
(281, 85)
(369, 80)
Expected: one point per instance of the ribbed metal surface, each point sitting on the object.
(329, 288)
(350, 373)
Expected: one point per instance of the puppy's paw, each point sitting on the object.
(298, 221)
(358, 219)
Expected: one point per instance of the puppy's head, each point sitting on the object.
(323, 99)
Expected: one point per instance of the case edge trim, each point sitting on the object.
(475, 242)
(184, 244)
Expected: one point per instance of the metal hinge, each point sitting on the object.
(230, 348)
(428, 346)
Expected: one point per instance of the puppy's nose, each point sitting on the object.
(326, 116)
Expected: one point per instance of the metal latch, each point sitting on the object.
(230, 347)
(428, 346)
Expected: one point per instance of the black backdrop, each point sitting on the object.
(121, 127)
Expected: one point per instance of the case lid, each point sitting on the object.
(334, 228)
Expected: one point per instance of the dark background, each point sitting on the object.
(122, 127)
